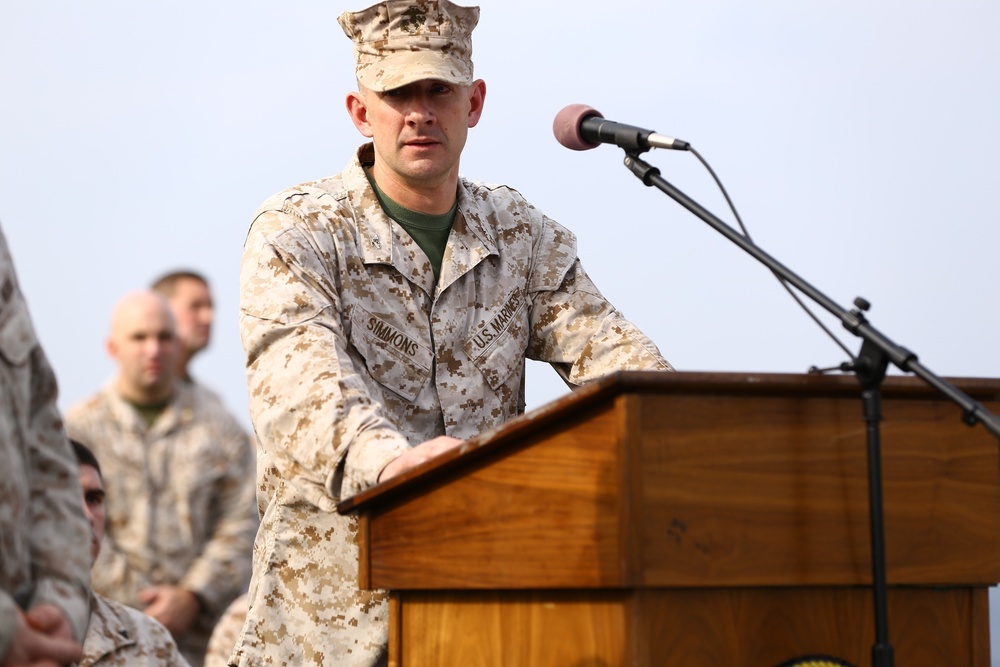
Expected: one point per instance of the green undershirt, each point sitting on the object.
(430, 232)
(149, 413)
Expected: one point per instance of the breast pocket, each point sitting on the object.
(498, 344)
(393, 357)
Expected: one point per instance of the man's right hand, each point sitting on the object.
(174, 607)
(414, 456)
(42, 638)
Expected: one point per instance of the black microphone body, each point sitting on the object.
(580, 128)
(598, 130)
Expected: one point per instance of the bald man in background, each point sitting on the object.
(179, 473)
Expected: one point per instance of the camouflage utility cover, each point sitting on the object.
(44, 535)
(401, 41)
(354, 354)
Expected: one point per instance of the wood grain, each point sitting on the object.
(685, 628)
(693, 519)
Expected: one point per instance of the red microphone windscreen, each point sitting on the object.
(566, 126)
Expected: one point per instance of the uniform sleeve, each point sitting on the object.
(49, 534)
(222, 570)
(308, 404)
(60, 533)
(573, 327)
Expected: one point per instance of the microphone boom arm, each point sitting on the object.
(854, 321)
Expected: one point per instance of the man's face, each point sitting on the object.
(191, 303)
(93, 506)
(143, 344)
(419, 130)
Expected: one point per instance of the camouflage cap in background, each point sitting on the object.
(398, 42)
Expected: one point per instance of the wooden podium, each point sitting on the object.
(693, 519)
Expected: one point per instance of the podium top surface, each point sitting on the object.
(608, 388)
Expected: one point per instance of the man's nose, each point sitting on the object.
(419, 112)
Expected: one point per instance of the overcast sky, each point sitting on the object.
(858, 140)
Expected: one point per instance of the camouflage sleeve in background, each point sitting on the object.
(44, 535)
(222, 569)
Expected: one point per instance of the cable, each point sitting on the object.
(781, 280)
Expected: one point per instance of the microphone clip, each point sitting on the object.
(644, 171)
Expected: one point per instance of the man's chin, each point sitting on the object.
(155, 383)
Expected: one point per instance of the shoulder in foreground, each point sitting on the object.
(484, 190)
(498, 198)
(331, 186)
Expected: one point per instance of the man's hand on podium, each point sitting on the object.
(416, 455)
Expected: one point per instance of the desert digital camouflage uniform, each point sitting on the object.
(120, 636)
(44, 535)
(354, 354)
(180, 501)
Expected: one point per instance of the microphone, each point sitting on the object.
(581, 128)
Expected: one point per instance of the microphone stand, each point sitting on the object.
(877, 351)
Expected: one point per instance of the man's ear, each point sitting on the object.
(477, 96)
(358, 112)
